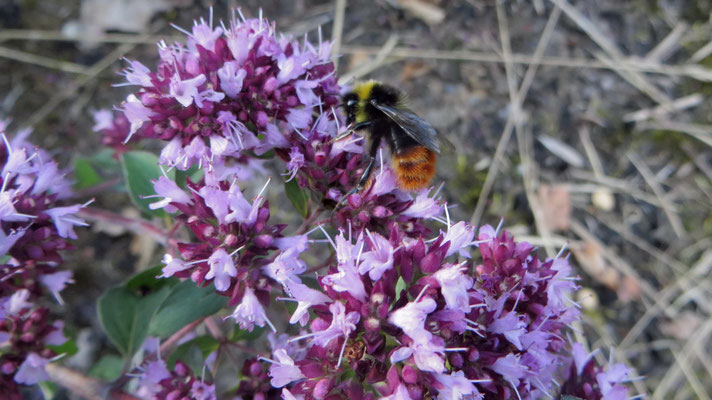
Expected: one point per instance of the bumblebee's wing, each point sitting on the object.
(413, 125)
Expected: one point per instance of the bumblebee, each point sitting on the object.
(380, 111)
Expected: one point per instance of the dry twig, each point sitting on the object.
(668, 208)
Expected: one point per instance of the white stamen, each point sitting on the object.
(543, 322)
(447, 215)
(319, 241)
(634, 379)
(311, 230)
(336, 119)
(541, 385)
(196, 262)
(341, 353)
(474, 331)
(298, 338)
(610, 356)
(442, 221)
(380, 154)
(57, 357)
(358, 257)
(236, 250)
(286, 299)
(496, 232)
(263, 188)
(422, 292)
(562, 250)
(455, 349)
(519, 295)
(516, 391)
(271, 325)
(298, 133)
(327, 236)
(438, 192)
(265, 359)
(7, 144)
(181, 30)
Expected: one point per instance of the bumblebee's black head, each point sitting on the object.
(358, 103)
(384, 94)
(350, 103)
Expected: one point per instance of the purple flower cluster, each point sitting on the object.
(114, 128)
(255, 382)
(231, 92)
(401, 313)
(233, 242)
(227, 90)
(35, 227)
(156, 381)
(589, 380)
(228, 93)
(407, 317)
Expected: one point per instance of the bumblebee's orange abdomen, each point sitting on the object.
(414, 167)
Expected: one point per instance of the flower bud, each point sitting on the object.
(263, 240)
(456, 359)
(255, 368)
(181, 369)
(27, 337)
(321, 389)
(409, 374)
(7, 368)
(473, 354)
(372, 324)
(320, 158)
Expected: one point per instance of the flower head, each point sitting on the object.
(250, 312)
(36, 226)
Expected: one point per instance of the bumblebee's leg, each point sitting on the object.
(356, 127)
(372, 152)
(361, 125)
(366, 173)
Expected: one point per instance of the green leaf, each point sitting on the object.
(49, 389)
(108, 368)
(245, 335)
(185, 352)
(85, 174)
(68, 348)
(197, 175)
(147, 280)
(104, 160)
(192, 356)
(265, 156)
(125, 316)
(297, 196)
(194, 173)
(239, 334)
(140, 168)
(149, 305)
(400, 285)
(569, 397)
(186, 303)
